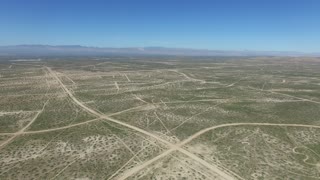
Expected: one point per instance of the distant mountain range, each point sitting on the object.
(76, 50)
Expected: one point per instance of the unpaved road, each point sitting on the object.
(243, 124)
(127, 77)
(188, 77)
(117, 86)
(21, 131)
(224, 173)
(273, 92)
(172, 146)
(138, 98)
(179, 146)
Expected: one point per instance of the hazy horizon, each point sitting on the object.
(214, 25)
(155, 46)
(77, 50)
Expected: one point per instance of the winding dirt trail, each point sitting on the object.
(179, 146)
(127, 77)
(274, 92)
(173, 147)
(188, 77)
(243, 124)
(21, 131)
(138, 98)
(117, 86)
(224, 173)
(61, 128)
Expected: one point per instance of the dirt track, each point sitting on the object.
(219, 170)
(224, 173)
(172, 146)
(21, 131)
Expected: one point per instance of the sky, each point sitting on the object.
(268, 25)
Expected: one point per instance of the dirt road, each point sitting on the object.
(172, 146)
(21, 131)
(189, 139)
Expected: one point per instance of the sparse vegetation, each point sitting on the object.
(160, 118)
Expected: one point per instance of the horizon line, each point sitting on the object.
(168, 47)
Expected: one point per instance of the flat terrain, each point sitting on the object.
(160, 118)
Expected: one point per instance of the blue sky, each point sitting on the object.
(281, 25)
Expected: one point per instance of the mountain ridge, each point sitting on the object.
(78, 50)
